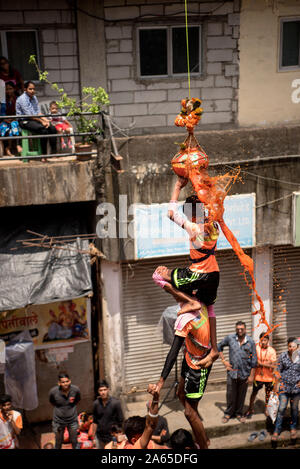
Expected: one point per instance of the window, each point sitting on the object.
(162, 51)
(17, 46)
(290, 43)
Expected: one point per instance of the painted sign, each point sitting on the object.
(157, 236)
(51, 325)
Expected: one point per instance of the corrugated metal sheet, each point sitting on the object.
(144, 303)
(286, 295)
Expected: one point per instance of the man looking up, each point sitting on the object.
(107, 409)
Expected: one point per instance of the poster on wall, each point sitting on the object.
(51, 325)
(157, 236)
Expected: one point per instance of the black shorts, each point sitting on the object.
(257, 385)
(202, 285)
(195, 381)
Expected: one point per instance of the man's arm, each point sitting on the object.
(170, 360)
(253, 364)
(151, 421)
(221, 345)
(16, 424)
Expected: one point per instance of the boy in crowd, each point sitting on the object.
(10, 424)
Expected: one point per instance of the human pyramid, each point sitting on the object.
(195, 287)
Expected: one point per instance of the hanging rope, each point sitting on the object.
(187, 47)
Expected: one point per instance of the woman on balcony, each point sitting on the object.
(27, 104)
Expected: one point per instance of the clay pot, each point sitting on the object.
(83, 148)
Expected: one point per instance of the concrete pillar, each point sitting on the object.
(263, 261)
(91, 43)
(112, 324)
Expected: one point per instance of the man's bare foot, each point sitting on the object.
(190, 307)
(164, 272)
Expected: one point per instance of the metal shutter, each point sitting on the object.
(144, 303)
(286, 295)
(233, 303)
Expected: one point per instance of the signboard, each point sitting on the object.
(296, 218)
(157, 236)
(51, 325)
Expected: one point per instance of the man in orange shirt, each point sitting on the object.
(193, 330)
(199, 282)
(264, 373)
(10, 424)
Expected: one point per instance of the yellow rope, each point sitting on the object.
(187, 47)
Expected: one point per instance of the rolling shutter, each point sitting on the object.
(144, 303)
(286, 295)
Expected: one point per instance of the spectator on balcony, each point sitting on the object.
(27, 104)
(10, 127)
(8, 73)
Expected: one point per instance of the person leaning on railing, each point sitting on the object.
(27, 104)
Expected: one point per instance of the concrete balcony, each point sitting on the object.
(57, 181)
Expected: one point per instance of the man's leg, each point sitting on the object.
(59, 434)
(294, 403)
(190, 304)
(231, 392)
(283, 402)
(255, 389)
(192, 416)
(72, 429)
(242, 387)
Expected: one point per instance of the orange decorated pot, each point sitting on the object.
(187, 159)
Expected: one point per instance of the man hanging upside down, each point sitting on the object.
(198, 282)
(193, 330)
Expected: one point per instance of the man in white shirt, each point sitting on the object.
(10, 424)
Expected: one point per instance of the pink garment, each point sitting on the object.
(159, 280)
(211, 311)
(183, 319)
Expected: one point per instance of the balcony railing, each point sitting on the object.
(102, 128)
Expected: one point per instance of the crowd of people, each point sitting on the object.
(18, 98)
(106, 428)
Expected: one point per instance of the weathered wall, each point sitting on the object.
(49, 183)
(79, 366)
(91, 43)
(152, 104)
(265, 94)
(148, 177)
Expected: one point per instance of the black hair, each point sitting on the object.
(181, 439)
(5, 398)
(27, 83)
(240, 323)
(63, 375)
(53, 102)
(134, 426)
(7, 61)
(291, 339)
(264, 335)
(11, 83)
(116, 428)
(102, 384)
(191, 206)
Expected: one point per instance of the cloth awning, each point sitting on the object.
(36, 275)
